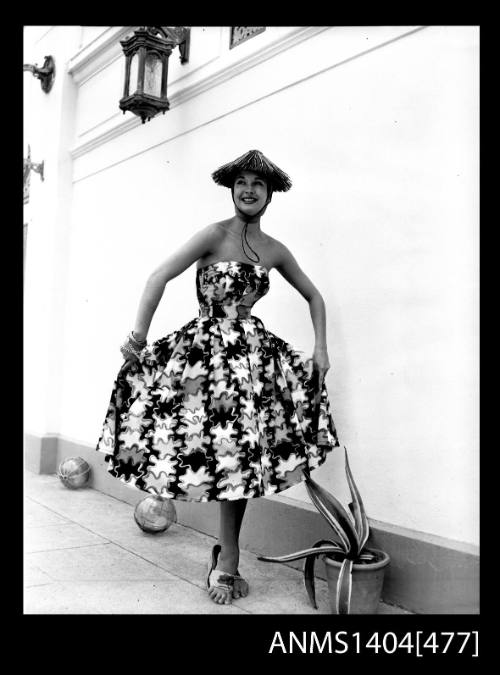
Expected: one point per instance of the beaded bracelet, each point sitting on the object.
(132, 346)
(128, 349)
(139, 343)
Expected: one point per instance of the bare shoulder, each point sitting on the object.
(222, 228)
(214, 231)
(200, 244)
(213, 236)
(281, 254)
(289, 268)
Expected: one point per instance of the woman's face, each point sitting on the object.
(250, 192)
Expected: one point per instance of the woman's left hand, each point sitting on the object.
(321, 365)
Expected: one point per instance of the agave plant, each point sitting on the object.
(349, 537)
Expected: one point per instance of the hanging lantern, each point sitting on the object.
(146, 69)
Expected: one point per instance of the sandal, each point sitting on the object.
(241, 583)
(224, 581)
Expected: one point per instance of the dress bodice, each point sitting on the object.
(230, 288)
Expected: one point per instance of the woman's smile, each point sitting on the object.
(250, 190)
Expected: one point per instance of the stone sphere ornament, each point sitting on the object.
(74, 472)
(155, 514)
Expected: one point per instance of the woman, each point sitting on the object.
(223, 409)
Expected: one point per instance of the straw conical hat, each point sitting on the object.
(253, 160)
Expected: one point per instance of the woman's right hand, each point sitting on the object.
(130, 359)
(131, 351)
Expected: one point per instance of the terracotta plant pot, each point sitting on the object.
(367, 581)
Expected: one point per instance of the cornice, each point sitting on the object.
(98, 53)
(181, 90)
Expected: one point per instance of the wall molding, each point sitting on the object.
(97, 54)
(428, 574)
(245, 63)
(184, 91)
(115, 128)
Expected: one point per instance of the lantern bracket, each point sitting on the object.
(179, 35)
(182, 37)
(46, 73)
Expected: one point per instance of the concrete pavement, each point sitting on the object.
(84, 554)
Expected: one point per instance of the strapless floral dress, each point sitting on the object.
(221, 408)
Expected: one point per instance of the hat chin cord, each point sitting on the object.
(246, 218)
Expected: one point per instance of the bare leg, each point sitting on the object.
(231, 517)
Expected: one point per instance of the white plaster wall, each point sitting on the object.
(382, 150)
(49, 130)
(90, 33)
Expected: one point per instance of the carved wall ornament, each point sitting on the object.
(28, 167)
(241, 33)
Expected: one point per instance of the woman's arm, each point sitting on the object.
(318, 315)
(200, 244)
(289, 268)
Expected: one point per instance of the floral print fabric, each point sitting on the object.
(220, 408)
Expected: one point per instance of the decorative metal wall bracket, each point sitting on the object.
(46, 74)
(28, 167)
(176, 36)
(180, 34)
